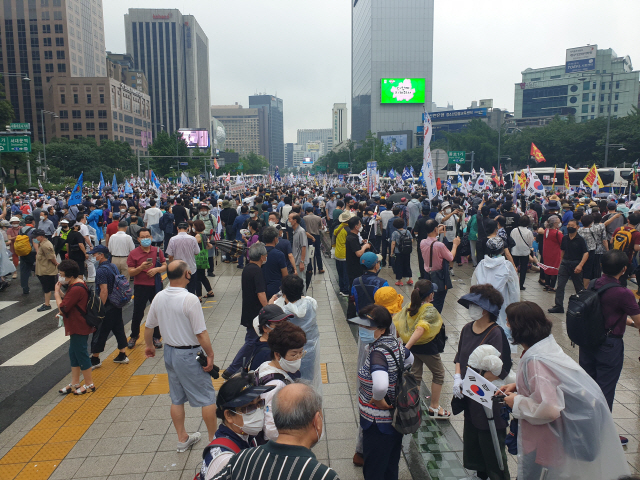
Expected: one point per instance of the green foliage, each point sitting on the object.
(7, 114)
(169, 146)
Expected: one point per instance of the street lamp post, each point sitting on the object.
(44, 141)
(606, 146)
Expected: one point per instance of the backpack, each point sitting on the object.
(225, 444)
(406, 243)
(121, 293)
(622, 239)
(407, 416)
(101, 220)
(22, 245)
(95, 309)
(585, 322)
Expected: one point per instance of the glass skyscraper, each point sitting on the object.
(389, 39)
(275, 119)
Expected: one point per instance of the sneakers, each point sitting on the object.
(132, 342)
(121, 358)
(44, 308)
(556, 309)
(410, 282)
(192, 440)
(95, 362)
(624, 440)
(399, 283)
(226, 375)
(342, 294)
(358, 460)
(157, 343)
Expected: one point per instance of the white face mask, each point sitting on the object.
(63, 280)
(447, 211)
(272, 224)
(291, 366)
(475, 312)
(252, 422)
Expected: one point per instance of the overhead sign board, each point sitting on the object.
(20, 126)
(240, 166)
(581, 59)
(184, 164)
(456, 157)
(343, 165)
(20, 143)
(466, 114)
(402, 90)
(307, 161)
(195, 138)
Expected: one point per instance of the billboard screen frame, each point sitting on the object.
(581, 59)
(403, 146)
(187, 131)
(419, 97)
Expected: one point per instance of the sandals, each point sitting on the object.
(211, 295)
(68, 389)
(435, 413)
(84, 389)
(410, 282)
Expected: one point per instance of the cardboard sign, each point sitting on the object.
(237, 188)
(478, 388)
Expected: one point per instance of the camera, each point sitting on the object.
(202, 360)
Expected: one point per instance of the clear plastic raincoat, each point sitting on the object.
(500, 273)
(565, 424)
(6, 265)
(305, 312)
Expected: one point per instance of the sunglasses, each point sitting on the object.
(247, 409)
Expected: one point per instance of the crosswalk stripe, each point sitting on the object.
(6, 304)
(38, 350)
(23, 320)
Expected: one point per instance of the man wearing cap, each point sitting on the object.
(27, 262)
(106, 274)
(330, 206)
(365, 287)
(185, 247)
(179, 314)
(46, 264)
(270, 315)
(238, 226)
(299, 243)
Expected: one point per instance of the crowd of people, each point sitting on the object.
(268, 413)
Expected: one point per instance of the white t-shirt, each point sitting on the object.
(152, 216)
(523, 238)
(179, 315)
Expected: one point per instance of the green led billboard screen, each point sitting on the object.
(402, 90)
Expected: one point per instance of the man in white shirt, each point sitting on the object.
(179, 315)
(152, 221)
(185, 247)
(120, 246)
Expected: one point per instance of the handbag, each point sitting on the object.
(202, 258)
(440, 277)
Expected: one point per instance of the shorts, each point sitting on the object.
(78, 351)
(592, 268)
(187, 380)
(48, 282)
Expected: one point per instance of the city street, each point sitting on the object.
(124, 427)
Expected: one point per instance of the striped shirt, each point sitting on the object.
(275, 461)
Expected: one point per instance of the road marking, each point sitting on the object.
(39, 350)
(6, 304)
(23, 320)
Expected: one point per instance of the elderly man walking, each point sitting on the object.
(179, 315)
(299, 243)
(185, 247)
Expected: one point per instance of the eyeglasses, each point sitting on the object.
(298, 356)
(247, 409)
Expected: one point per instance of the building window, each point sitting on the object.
(60, 42)
(102, 126)
(104, 137)
(592, 117)
(48, 55)
(102, 114)
(57, 15)
(74, 69)
(603, 85)
(115, 115)
(585, 108)
(46, 28)
(102, 98)
(615, 108)
(584, 118)
(57, 3)
(593, 97)
(63, 114)
(573, 88)
(585, 97)
(602, 97)
(60, 54)
(121, 129)
(35, 55)
(46, 42)
(91, 126)
(595, 85)
(45, 16)
(616, 96)
(77, 137)
(88, 114)
(63, 98)
(58, 28)
(34, 42)
(585, 85)
(64, 127)
(593, 109)
(48, 67)
(128, 130)
(77, 126)
(75, 98)
(573, 99)
(601, 109)
(76, 114)
(88, 98)
(62, 67)
(617, 84)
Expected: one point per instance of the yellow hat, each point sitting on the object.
(390, 299)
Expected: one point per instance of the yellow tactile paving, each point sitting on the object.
(38, 470)
(9, 472)
(19, 455)
(53, 451)
(323, 373)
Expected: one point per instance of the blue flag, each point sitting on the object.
(276, 175)
(155, 183)
(411, 171)
(127, 187)
(460, 181)
(114, 184)
(76, 194)
(392, 174)
(101, 184)
(421, 177)
(449, 187)
(406, 174)
(109, 204)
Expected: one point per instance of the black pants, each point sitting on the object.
(438, 300)
(244, 354)
(210, 271)
(192, 286)
(381, 454)
(112, 323)
(402, 267)
(481, 245)
(479, 454)
(142, 294)
(385, 248)
(27, 265)
(566, 272)
(421, 262)
(604, 365)
(167, 237)
(317, 253)
(623, 278)
(523, 264)
(202, 280)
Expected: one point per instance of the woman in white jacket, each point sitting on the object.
(566, 429)
(304, 311)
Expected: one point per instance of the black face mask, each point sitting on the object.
(572, 229)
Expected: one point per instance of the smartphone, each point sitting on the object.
(149, 260)
(279, 294)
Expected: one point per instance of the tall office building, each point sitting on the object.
(389, 39)
(339, 123)
(173, 51)
(288, 155)
(42, 39)
(275, 121)
(246, 129)
(319, 135)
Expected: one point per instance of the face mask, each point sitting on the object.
(63, 280)
(122, 212)
(252, 215)
(289, 224)
(571, 229)
(65, 228)
(272, 224)
(145, 242)
(366, 335)
(252, 422)
(203, 214)
(41, 218)
(291, 366)
(475, 312)
(447, 211)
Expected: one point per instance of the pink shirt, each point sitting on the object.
(440, 253)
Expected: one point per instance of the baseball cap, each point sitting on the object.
(369, 259)
(99, 249)
(239, 391)
(612, 205)
(272, 313)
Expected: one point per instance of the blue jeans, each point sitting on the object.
(343, 276)
(26, 267)
(244, 353)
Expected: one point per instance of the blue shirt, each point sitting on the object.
(285, 247)
(568, 215)
(272, 270)
(237, 224)
(105, 275)
(372, 283)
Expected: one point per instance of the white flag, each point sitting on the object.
(427, 164)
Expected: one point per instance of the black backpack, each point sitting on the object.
(406, 243)
(585, 322)
(95, 308)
